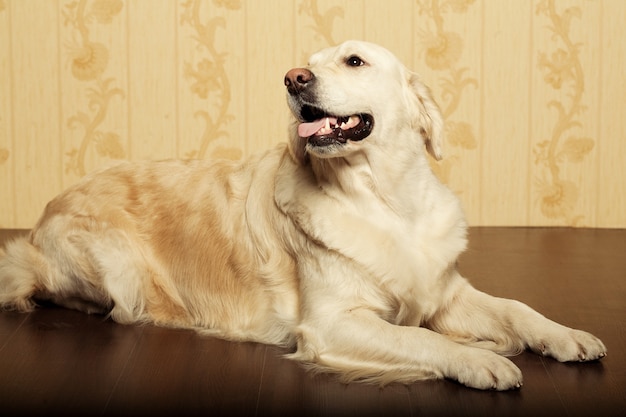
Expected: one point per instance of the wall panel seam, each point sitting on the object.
(12, 101)
(530, 143)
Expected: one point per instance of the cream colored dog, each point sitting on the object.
(341, 244)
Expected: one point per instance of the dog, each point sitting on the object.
(340, 244)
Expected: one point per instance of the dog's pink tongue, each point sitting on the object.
(306, 130)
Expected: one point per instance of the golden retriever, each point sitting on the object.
(341, 244)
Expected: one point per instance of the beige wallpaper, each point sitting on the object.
(534, 92)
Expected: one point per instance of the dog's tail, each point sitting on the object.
(22, 268)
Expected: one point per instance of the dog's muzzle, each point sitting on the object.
(318, 126)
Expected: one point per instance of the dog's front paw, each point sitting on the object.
(484, 369)
(571, 345)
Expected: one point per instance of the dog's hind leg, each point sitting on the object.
(48, 270)
(92, 269)
(84, 270)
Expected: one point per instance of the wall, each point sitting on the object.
(533, 92)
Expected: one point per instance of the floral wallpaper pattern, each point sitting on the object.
(89, 61)
(209, 80)
(323, 22)
(442, 50)
(532, 92)
(562, 70)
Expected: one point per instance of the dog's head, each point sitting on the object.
(358, 92)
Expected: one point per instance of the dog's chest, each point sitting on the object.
(401, 255)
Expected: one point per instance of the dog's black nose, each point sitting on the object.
(297, 79)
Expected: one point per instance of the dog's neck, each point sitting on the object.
(357, 176)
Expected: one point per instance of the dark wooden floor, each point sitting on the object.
(59, 362)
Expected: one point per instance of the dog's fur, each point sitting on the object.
(344, 251)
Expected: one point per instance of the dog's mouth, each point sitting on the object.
(323, 129)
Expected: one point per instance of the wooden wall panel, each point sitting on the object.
(533, 92)
(610, 189)
(505, 113)
(35, 102)
(386, 26)
(152, 80)
(266, 64)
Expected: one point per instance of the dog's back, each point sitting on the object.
(166, 242)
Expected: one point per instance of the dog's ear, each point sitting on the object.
(427, 120)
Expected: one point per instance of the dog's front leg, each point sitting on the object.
(509, 326)
(359, 345)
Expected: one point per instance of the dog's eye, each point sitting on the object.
(354, 61)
